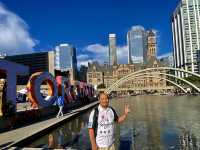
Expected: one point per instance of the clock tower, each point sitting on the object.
(151, 44)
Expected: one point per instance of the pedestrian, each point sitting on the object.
(101, 124)
(60, 103)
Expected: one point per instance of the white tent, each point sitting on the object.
(23, 91)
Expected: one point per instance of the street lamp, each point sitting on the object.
(103, 79)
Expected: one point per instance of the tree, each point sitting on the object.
(193, 79)
(101, 86)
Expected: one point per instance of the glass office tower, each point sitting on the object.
(136, 39)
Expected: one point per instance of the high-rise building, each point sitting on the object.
(186, 34)
(112, 50)
(82, 75)
(65, 59)
(41, 61)
(136, 39)
(151, 45)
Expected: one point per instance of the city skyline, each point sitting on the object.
(85, 30)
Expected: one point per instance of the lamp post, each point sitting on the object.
(103, 79)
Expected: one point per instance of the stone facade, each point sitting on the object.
(106, 75)
(95, 74)
(151, 44)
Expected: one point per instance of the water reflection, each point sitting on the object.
(155, 123)
(61, 139)
(72, 134)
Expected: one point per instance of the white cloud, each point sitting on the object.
(165, 55)
(14, 35)
(82, 57)
(99, 53)
(122, 54)
(84, 62)
(97, 49)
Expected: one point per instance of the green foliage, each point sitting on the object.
(193, 79)
(101, 86)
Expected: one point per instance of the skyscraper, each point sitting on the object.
(186, 34)
(112, 49)
(65, 59)
(136, 44)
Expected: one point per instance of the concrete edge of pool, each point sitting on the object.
(21, 136)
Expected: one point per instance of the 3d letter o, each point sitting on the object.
(34, 84)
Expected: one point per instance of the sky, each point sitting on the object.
(27, 26)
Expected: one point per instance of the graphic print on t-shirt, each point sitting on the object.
(105, 123)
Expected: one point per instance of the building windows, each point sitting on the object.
(191, 30)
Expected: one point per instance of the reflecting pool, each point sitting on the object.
(155, 122)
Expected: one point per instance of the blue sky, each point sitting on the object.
(33, 25)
